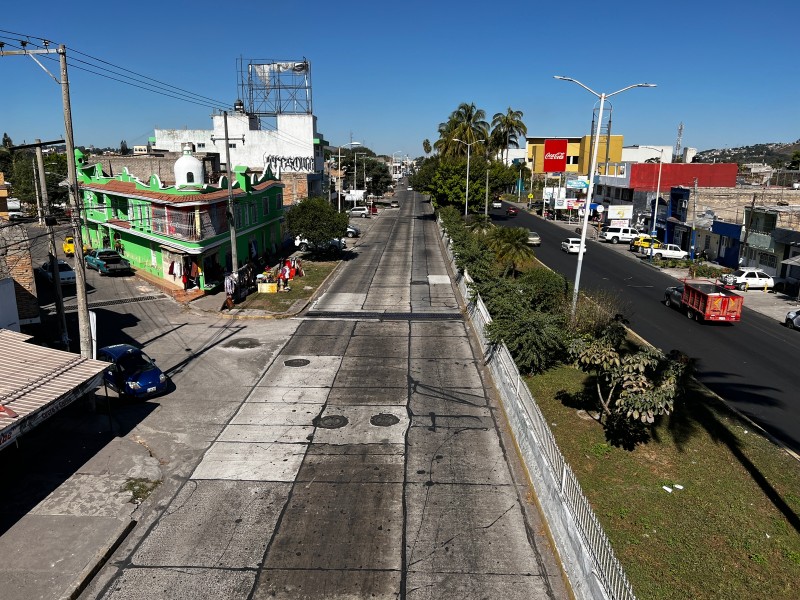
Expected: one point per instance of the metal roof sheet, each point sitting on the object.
(36, 382)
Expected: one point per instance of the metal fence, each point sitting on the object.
(585, 551)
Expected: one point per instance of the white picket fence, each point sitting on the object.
(584, 549)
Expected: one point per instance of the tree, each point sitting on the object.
(506, 127)
(316, 220)
(7, 143)
(426, 146)
(510, 246)
(639, 385)
(466, 123)
(123, 147)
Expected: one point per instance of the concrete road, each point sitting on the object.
(353, 452)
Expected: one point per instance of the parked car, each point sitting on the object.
(410, 189)
(107, 262)
(353, 231)
(359, 211)
(394, 204)
(497, 204)
(131, 373)
(619, 234)
(511, 211)
(69, 246)
(751, 278)
(334, 244)
(572, 245)
(793, 319)
(66, 273)
(660, 251)
(642, 241)
(534, 239)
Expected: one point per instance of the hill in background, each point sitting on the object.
(776, 155)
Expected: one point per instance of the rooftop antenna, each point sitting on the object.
(678, 142)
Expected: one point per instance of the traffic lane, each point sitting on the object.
(745, 363)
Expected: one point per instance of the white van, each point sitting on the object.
(619, 234)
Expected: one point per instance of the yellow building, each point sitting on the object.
(579, 153)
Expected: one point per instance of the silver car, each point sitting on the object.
(793, 319)
(534, 239)
(66, 274)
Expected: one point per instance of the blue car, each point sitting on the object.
(131, 373)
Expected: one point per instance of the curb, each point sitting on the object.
(97, 562)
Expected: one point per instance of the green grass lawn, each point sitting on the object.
(733, 531)
(301, 288)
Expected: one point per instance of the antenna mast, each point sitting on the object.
(678, 142)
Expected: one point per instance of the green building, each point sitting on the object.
(180, 233)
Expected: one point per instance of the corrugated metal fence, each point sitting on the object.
(585, 551)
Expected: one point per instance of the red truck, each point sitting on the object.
(705, 300)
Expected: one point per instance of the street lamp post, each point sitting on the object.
(466, 193)
(655, 202)
(339, 173)
(355, 177)
(593, 166)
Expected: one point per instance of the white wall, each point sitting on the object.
(288, 149)
(640, 154)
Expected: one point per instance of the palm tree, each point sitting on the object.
(467, 123)
(510, 246)
(426, 146)
(506, 127)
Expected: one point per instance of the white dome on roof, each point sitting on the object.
(188, 169)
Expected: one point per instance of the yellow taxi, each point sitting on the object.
(642, 241)
(69, 246)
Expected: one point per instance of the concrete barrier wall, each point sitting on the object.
(586, 554)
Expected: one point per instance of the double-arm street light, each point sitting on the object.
(339, 171)
(593, 166)
(469, 147)
(658, 194)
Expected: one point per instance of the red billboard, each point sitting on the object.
(555, 156)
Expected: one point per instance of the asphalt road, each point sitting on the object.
(749, 363)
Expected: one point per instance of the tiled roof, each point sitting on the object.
(128, 188)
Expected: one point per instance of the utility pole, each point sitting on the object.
(39, 213)
(231, 215)
(747, 223)
(48, 220)
(486, 202)
(694, 220)
(84, 327)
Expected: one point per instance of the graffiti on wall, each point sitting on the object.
(296, 164)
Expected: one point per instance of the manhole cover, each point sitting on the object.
(296, 362)
(243, 343)
(384, 420)
(331, 421)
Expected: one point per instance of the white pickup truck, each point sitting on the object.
(661, 251)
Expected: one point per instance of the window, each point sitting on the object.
(253, 213)
(159, 219)
(201, 144)
(231, 145)
(189, 177)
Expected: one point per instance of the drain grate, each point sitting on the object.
(384, 420)
(74, 307)
(296, 362)
(331, 421)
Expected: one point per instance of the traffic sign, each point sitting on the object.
(530, 196)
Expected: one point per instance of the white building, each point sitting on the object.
(293, 149)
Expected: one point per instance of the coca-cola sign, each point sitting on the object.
(555, 156)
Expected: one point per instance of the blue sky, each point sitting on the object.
(388, 73)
